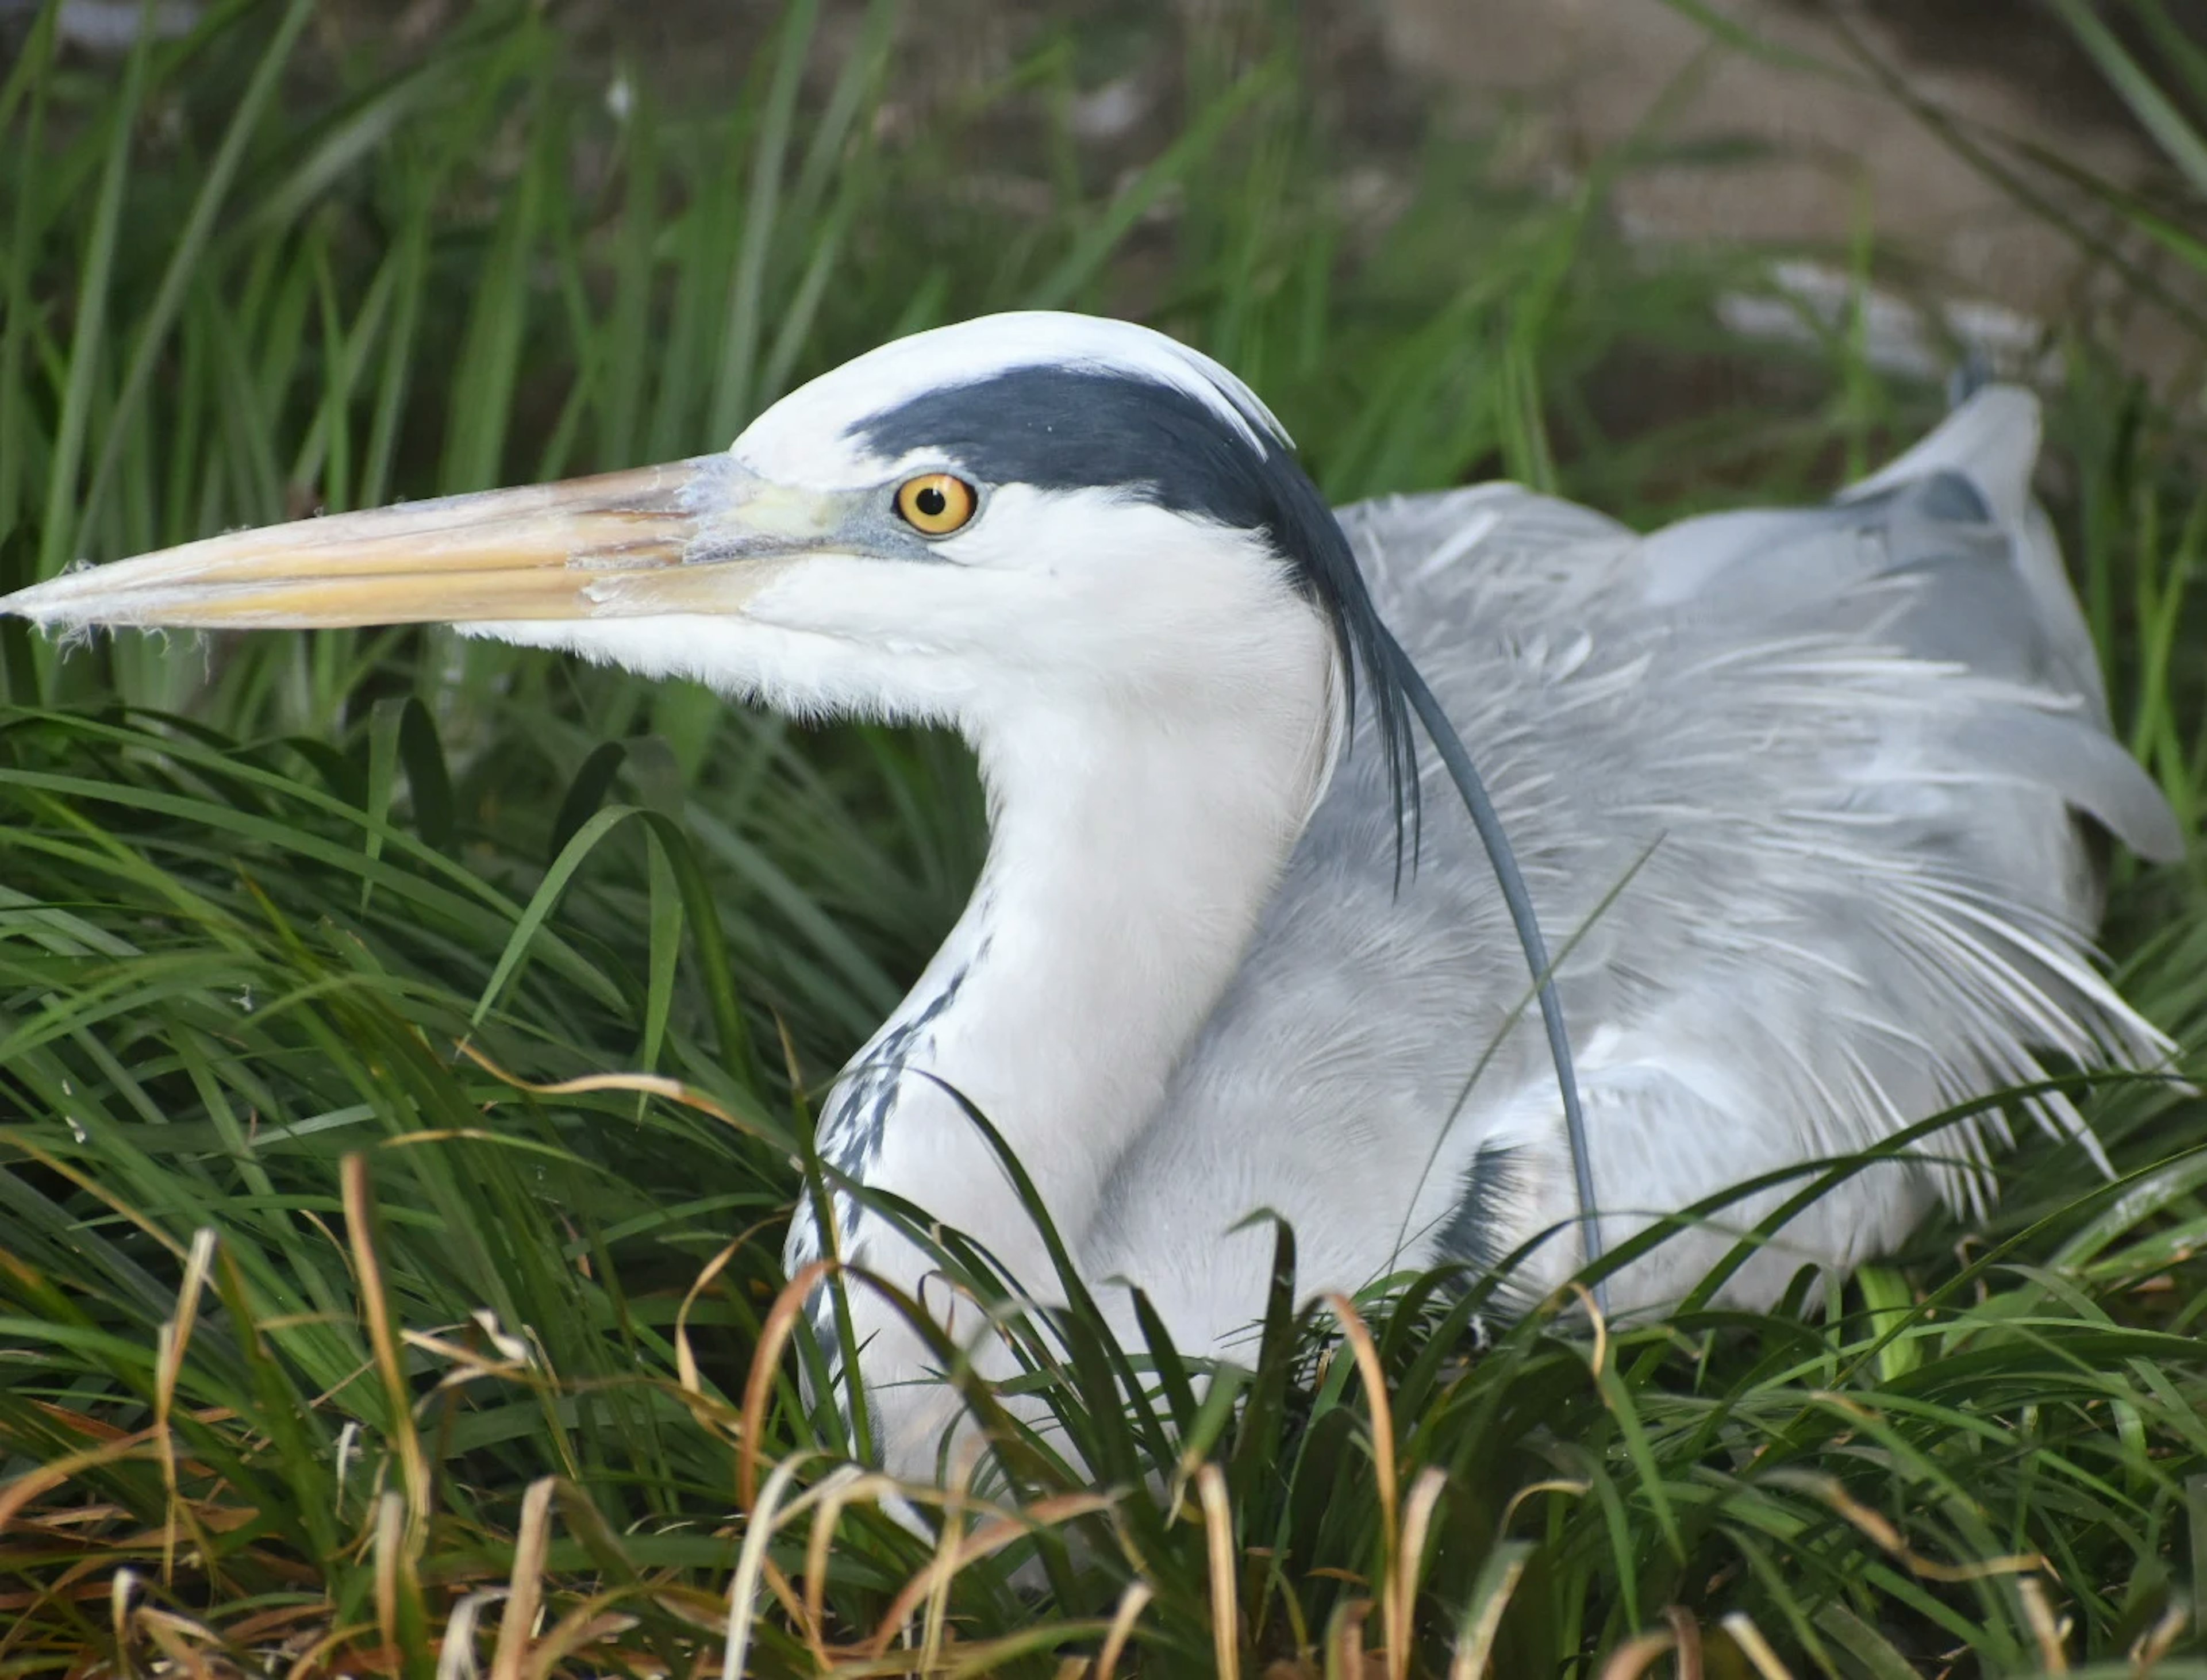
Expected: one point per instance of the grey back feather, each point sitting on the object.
(1797, 792)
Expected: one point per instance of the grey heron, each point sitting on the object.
(1802, 796)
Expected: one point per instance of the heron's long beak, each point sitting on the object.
(620, 545)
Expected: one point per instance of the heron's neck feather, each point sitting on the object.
(1134, 845)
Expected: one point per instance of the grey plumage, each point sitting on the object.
(1826, 759)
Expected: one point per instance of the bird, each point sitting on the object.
(1813, 805)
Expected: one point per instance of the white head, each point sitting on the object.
(1024, 509)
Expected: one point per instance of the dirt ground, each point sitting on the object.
(1813, 157)
(1815, 150)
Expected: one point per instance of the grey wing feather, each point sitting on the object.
(1795, 788)
(1975, 579)
(2086, 765)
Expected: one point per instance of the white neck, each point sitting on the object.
(1133, 843)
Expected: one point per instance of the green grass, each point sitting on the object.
(313, 1332)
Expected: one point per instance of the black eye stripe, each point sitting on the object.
(1070, 428)
(1066, 429)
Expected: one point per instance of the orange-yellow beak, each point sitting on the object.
(619, 545)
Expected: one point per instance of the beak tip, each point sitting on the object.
(26, 604)
(46, 605)
(489, 557)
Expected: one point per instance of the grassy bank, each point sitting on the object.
(317, 1336)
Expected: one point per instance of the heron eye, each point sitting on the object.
(934, 504)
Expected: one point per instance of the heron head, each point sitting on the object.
(1039, 504)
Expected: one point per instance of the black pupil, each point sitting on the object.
(932, 502)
